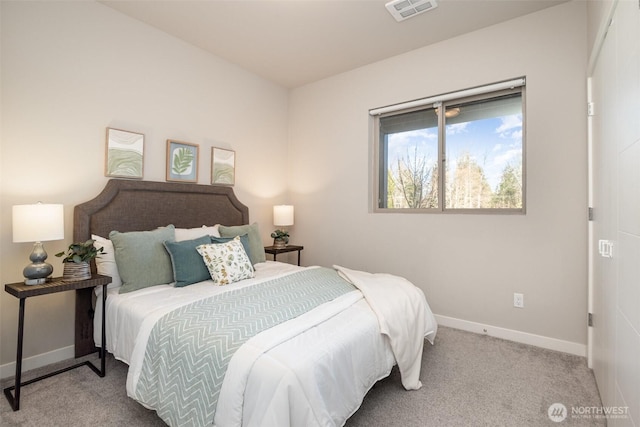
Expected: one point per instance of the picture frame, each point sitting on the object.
(124, 154)
(182, 161)
(223, 166)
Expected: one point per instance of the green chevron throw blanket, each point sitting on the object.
(189, 348)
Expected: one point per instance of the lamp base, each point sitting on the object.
(37, 272)
(39, 281)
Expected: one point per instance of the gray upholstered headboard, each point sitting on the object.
(125, 205)
(144, 205)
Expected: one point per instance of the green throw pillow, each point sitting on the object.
(142, 259)
(256, 249)
(188, 267)
(244, 239)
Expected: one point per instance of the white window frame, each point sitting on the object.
(468, 95)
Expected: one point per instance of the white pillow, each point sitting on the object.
(227, 262)
(106, 262)
(193, 233)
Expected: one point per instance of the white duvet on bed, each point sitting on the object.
(127, 312)
(313, 370)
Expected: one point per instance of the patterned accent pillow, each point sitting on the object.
(256, 249)
(226, 262)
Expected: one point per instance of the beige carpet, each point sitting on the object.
(469, 380)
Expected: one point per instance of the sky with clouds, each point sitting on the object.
(493, 143)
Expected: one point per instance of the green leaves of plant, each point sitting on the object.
(80, 252)
(182, 159)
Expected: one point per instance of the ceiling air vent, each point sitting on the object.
(405, 9)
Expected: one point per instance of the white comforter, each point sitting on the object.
(310, 371)
(403, 314)
(128, 312)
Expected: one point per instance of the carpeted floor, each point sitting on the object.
(468, 380)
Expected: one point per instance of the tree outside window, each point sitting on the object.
(481, 148)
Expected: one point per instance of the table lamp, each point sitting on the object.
(38, 223)
(282, 217)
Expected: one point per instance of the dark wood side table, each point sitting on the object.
(289, 248)
(22, 292)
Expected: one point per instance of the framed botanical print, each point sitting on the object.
(124, 156)
(223, 166)
(182, 161)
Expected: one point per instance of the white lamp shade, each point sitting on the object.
(38, 222)
(283, 215)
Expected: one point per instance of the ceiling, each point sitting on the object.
(294, 42)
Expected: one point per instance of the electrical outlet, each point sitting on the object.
(518, 300)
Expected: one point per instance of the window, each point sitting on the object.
(469, 159)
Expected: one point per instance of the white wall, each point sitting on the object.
(468, 265)
(72, 69)
(596, 10)
(616, 139)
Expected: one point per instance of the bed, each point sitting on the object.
(300, 345)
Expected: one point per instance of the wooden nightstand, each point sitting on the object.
(22, 292)
(289, 248)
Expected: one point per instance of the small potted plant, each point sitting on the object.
(280, 238)
(76, 260)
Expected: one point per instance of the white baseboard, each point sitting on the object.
(37, 361)
(512, 335)
(64, 353)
